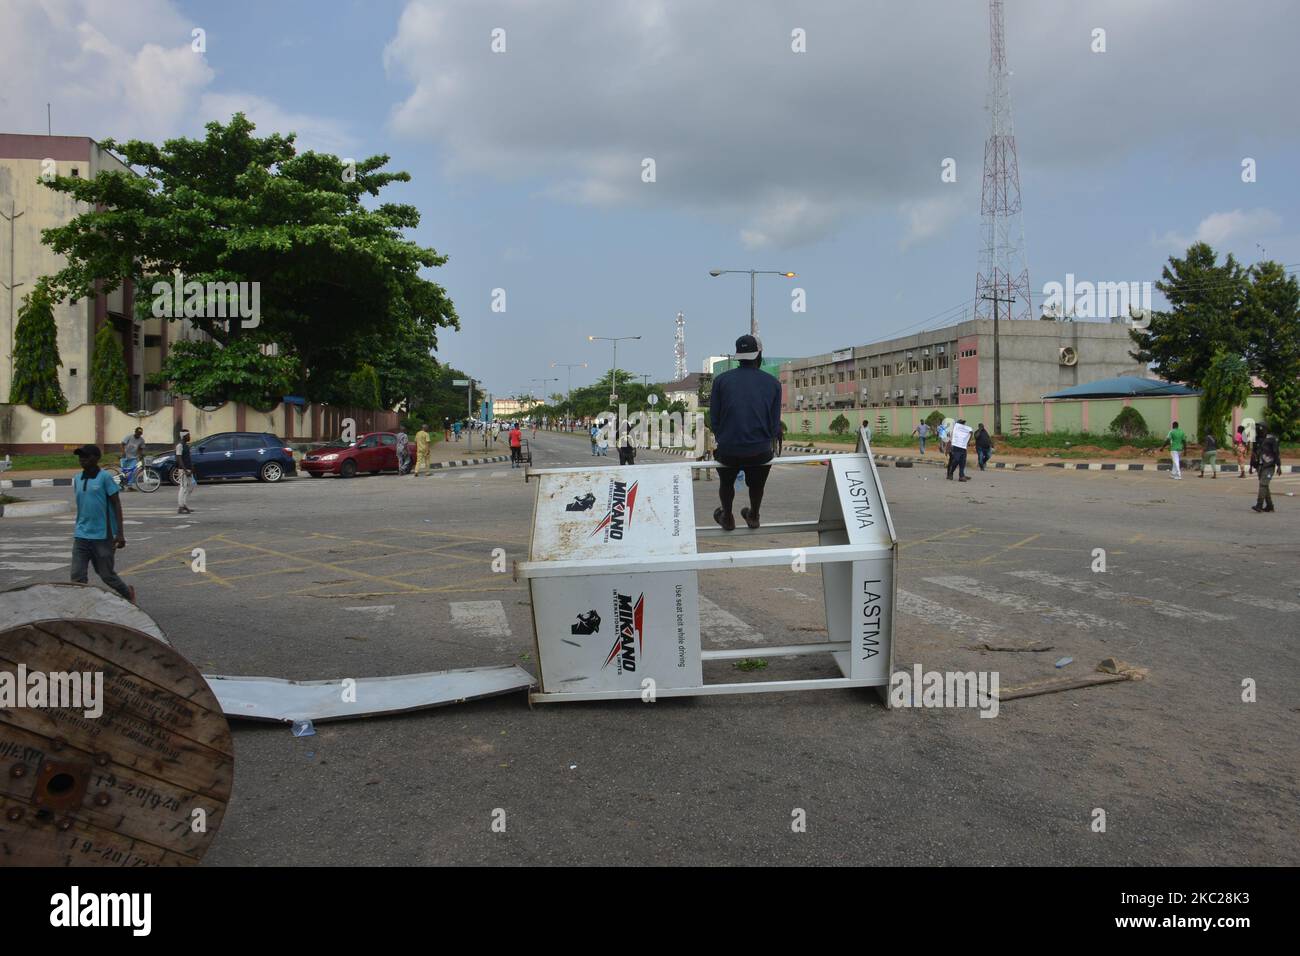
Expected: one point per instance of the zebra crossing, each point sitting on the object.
(44, 545)
(1026, 602)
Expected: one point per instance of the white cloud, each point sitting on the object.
(787, 146)
(314, 132)
(927, 218)
(1221, 228)
(122, 70)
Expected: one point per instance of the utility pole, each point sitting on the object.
(568, 393)
(997, 355)
(11, 284)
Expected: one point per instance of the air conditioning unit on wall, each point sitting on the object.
(1068, 356)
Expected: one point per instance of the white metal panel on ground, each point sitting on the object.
(46, 602)
(270, 698)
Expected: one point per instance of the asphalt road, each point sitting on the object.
(1198, 589)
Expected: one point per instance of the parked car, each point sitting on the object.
(373, 452)
(227, 455)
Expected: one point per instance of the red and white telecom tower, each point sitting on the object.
(1004, 273)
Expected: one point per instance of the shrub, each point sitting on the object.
(1129, 423)
(36, 355)
(109, 384)
(840, 425)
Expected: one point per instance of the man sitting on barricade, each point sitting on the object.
(745, 411)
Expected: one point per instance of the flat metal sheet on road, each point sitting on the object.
(271, 698)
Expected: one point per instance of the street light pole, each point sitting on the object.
(568, 394)
(752, 273)
(613, 375)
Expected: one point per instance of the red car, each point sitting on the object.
(373, 452)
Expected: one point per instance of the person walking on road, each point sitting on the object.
(422, 439)
(1268, 457)
(745, 411)
(516, 446)
(403, 453)
(1209, 454)
(780, 439)
(1177, 442)
(1239, 447)
(98, 534)
(958, 441)
(983, 446)
(922, 432)
(707, 455)
(132, 453)
(626, 446)
(184, 472)
(595, 434)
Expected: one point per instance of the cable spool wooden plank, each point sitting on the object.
(48, 600)
(145, 782)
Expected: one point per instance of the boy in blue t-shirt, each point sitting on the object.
(99, 530)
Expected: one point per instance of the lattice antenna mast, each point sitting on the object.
(1004, 272)
(679, 349)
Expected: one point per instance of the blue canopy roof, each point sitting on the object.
(1124, 386)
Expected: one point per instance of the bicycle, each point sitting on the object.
(141, 477)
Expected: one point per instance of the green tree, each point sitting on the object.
(339, 280)
(1207, 301)
(208, 374)
(109, 384)
(1272, 323)
(1227, 385)
(839, 425)
(934, 419)
(1129, 424)
(363, 388)
(36, 354)
(706, 389)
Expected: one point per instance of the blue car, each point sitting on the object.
(227, 455)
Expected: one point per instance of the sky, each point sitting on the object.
(529, 160)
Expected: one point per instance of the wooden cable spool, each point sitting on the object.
(146, 781)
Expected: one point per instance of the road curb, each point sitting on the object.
(467, 462)
(8, 483)
(35, 509)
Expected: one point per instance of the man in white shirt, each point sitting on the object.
(961, 433)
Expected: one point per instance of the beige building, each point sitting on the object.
(684, 390)
(508, 408)
(27, 206)
(954, 366)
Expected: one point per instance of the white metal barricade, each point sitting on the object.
(613, 576)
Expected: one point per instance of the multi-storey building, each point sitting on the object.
(28, 206)
(954, 365)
